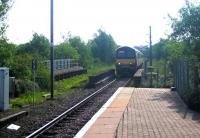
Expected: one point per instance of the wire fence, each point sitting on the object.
(186, 76)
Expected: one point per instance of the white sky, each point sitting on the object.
(127, 21)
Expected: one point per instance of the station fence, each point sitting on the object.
(60, 64)
(186, 76)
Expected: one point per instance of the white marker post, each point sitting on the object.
(4, 89)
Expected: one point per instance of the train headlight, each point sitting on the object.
(119, 63)
(130, 63)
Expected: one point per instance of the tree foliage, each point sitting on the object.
(7, 53)
(83, 50)
(22, 66)
(19, 57)
(187, 28)
(166, 52)
(170, 50)
(103, 47)
(4, 7)
(39, 47)
(159, 50)
(175, 51)
(65, 50)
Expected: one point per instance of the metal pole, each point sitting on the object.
(150, 55)
(150, 44)
(157, 77)
(34, 67)
(34, 87)
(52, 50)
(165, 73)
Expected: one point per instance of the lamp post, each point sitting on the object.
(52, 49)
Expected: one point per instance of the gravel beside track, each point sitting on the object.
(69, 126)
(43, 113)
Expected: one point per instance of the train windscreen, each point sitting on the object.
(125, 53)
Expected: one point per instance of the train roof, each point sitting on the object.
(129, 47)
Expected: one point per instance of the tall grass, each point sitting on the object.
(27, 99)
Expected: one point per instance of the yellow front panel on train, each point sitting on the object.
(125, 61)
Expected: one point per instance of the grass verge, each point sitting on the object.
(61, 87)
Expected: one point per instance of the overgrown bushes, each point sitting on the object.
(23, 86)
(191, 97)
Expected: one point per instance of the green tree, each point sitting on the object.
(22, 66)
(4, 7)
(170, 50)
(7, 50)
(187, 28)
(103, 47)
(65, 50)
(39, 47)
(7, 53)
(83, 50)
(175, 51)
(159, 50)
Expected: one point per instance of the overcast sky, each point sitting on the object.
(127, 21)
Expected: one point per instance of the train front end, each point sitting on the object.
(125, 61)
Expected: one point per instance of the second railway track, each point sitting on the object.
(72, 120)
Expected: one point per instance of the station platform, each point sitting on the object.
(143, 113)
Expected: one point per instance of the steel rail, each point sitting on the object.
(60, 117)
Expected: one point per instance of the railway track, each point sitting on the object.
(72, 120)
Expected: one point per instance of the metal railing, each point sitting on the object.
(60, 64)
